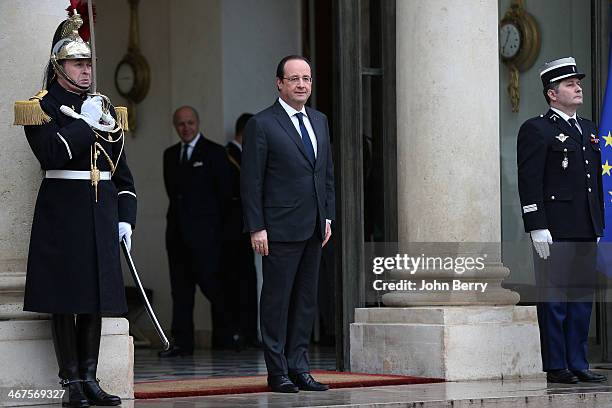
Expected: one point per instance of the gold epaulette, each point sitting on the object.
(122, 117)
(30, 112)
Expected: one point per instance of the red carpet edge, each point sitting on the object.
(196, 387)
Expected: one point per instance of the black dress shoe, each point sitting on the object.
(281, 383)
(305, 382)
(97, 396)
(561, 376)
(589, 376)
(75, 397)
(175, 351)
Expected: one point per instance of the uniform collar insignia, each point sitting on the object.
(561, 137)
(554, 116)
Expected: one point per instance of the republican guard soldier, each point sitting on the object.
(560, 187)
(85, 205)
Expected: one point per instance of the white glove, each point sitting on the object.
(92, 114)
(541, 239)
(125, 231)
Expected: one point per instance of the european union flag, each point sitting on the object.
(605, 131)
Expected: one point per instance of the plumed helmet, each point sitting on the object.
(71, 45)
(70, 41)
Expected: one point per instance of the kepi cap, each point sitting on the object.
(558, 70)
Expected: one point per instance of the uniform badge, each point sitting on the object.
(562, 137)
(554, 117)
(198, 164)
(594, 139)
(564, 162)
(530, 208)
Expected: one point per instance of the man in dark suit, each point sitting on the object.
(196, 177)
(287, 186)
(239, 275)
(560, 186)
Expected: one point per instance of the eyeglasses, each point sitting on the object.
(296, 79)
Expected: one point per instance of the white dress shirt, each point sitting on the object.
(291, 112)
(190, 148)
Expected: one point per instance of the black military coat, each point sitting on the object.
(73, 260)
(559, 177)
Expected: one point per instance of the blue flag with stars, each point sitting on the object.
(605, 132)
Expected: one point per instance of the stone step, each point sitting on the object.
(467, 394)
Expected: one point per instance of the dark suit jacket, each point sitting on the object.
(282, 190)
(198, 192)
(234, 225)
(567, 201)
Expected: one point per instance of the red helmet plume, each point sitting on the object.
(81, 8)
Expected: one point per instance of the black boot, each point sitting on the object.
(89, 328)
(64, 341)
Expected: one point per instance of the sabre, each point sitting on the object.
(143, 296)
(92, 45)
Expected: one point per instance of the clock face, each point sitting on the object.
(125, 78)
(509, 40)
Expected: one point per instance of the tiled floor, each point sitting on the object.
(209, 363)
(530, 393)
(483, 394)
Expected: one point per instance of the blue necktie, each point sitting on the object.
(574, 124)
(306, 138)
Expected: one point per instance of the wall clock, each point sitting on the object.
(132, 75)
(519, 45)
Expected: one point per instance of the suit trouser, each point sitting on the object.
(190, 267)
(240, 278)
(566, 283)
(288, 303)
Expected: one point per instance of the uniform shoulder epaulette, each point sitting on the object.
(30, 112)
(122, 117)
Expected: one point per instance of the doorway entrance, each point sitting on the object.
(356, 89)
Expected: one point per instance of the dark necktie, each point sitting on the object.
(184, 157)
(572, 122)
(305, 138)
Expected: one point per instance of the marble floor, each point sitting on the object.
(507, 394)
(534, 393)
(481, 394)
(215, 363)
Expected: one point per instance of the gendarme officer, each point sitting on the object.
(85, 204)
(560, 187)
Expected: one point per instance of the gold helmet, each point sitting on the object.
(70, 45)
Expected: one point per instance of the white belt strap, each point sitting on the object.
(75, 174)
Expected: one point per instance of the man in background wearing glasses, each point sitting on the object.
(287, 187)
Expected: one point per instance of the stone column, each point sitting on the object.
(448, 143)
(27, 359)
(448, 192)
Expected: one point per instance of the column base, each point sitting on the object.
(454, 343)
(27, 361)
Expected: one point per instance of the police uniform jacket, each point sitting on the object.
(73, 260)
(559, 177)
